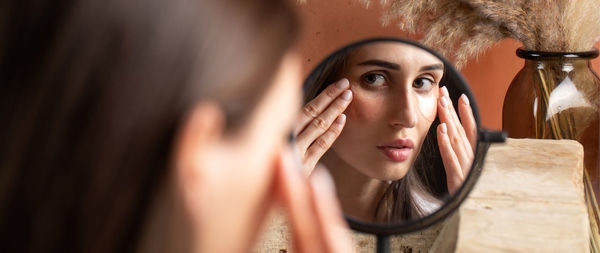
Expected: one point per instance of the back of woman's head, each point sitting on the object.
(91, 95)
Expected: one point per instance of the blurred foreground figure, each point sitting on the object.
(152, 126)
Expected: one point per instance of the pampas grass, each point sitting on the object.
(583, 18)
(462, 29)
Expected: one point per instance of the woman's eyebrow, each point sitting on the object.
(380, 63)
(432, 67)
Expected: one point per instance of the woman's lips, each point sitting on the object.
(397, 150)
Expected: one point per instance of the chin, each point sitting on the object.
(385, 173)
(394, 176)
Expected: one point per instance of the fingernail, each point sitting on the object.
(322, 180)
(341, 119)
(465, 99)
(443, 102)
(443, 128)
(347, 95)
(342, 83)
(445, 91)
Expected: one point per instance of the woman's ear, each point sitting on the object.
(201, 129)
(198, 139)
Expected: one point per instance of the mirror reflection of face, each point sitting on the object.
(396, 143)
(395, 91)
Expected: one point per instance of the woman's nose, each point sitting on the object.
(403, 109)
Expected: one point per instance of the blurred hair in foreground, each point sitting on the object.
(92, 93)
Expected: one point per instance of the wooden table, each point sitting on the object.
(529, 198)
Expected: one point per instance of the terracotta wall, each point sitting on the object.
(330, 24)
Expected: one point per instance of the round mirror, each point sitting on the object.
(398, 129)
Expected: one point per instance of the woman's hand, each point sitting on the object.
(321, 122)
(456, 139)
(313, 209)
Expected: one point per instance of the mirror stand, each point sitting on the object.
(383, 244)
(490, 136)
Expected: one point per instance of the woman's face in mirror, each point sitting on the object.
(395, 92)
(377, 118)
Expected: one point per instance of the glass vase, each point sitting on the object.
(556, 96)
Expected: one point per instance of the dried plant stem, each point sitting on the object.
(563, 125)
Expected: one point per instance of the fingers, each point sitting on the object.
(314, 212)
(468, 121)
(456, 124)
(334, 228)
(454, 172)
(456, 139)
(316, 106)
(322, 144)
(296, 199)
(320, 124)
(456, 134)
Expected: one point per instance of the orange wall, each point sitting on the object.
(328, 25)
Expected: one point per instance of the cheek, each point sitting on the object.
(427, 107)
(363, 109)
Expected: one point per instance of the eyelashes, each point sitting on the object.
(423, 83)
(373, 79)
(377, 80)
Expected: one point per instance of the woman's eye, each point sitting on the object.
(423, 83)
(374, 79)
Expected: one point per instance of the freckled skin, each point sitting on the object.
(394, 110)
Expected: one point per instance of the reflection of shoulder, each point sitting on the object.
(426, 202)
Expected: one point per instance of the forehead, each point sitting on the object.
(395, 52)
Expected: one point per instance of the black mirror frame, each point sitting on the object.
(485, 137)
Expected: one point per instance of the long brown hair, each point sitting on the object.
(425, 181)
(91, 95)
